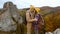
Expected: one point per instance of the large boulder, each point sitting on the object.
(9, 17)
(57, 31)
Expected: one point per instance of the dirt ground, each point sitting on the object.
(7, 33)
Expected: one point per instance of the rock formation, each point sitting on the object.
(9, 17)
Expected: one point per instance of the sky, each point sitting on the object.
(37, 3)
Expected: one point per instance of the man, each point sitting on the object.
(30, 18)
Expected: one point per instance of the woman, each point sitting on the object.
(37, 24)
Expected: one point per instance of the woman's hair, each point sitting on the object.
(35, 12)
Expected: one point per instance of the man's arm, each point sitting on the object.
(29, 19)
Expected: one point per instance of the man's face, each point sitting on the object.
(32, 10)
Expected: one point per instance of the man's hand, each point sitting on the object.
(35, 19)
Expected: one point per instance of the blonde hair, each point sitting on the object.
(37, 10)
(32, 7)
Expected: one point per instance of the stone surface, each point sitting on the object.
(9, 17)
(57, 31)
(48, 33)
